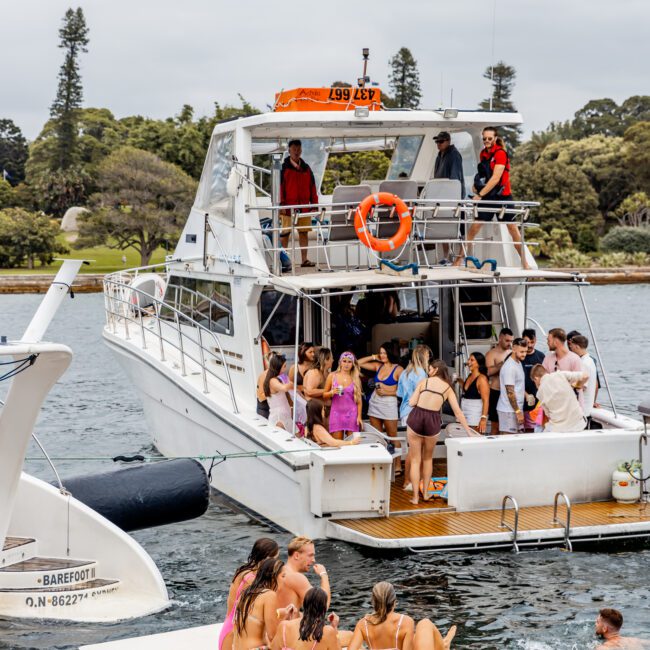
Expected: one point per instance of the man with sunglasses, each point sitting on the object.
(492, 183)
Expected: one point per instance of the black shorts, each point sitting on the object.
(488, 216)
(494, 399)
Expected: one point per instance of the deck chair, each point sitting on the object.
(440, 188)
(407, 191)
(342, 217)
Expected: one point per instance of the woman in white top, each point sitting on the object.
(276, 394)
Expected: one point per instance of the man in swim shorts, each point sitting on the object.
(301, 557)
(494, 360)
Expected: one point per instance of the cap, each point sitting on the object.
(442, 137)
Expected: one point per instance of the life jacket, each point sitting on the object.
(485, 169)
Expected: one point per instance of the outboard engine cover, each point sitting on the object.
(145, 496)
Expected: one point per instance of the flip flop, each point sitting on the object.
(307, 263)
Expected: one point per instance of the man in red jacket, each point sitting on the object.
(297, 187)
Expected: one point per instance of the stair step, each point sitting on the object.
(15, 542)
(17, 549)
(479, 304)
(56, 602)
(40, 572)
(483, 322)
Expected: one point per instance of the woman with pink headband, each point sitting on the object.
(344, 388)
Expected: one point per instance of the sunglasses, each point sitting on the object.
(487, 139)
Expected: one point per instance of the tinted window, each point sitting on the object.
(281, 329)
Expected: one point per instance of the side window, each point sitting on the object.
(212, 196)
(207, 302)
(404, 156)
(281, 329)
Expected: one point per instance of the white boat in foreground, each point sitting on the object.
(203, 637)
(194, 354)
(59, 559)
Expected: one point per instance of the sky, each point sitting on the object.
(149, 57)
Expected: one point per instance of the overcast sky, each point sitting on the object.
(149, 57)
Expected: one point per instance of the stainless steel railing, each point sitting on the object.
(171, 328)
(327, 219)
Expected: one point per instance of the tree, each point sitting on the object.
(636, 152)
(59, 190)
(65, 107)
(404, 79)
(7, 197)
(634, 210)
(353, 168)
(531, 150)
(143, 203)
(13, 152)
(597, 117)
(566, 196)
(502, 78)
(27, 236)
(599, 158)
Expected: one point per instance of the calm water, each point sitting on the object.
(538, 599)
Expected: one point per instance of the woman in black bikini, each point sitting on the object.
(476, 393)
(297, 372)
(424, 423)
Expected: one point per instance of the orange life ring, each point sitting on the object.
(265, 350)
(361, 227)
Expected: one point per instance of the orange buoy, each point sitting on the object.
(361, 226)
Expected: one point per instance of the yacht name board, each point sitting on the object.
(69, 577)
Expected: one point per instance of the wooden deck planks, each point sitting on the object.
(15, 542)
(400, 501)
(443, 524)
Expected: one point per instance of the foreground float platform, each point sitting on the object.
(204, 637)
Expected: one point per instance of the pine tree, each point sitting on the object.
(69, 95)
(503, 81)
(404, 79)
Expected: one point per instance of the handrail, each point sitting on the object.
(503, 523)
(112, 288)
(567, 524)
(49, 460)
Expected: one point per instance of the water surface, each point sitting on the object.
(535, 600)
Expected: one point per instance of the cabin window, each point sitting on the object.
(207, 302)
(212, 196)
(281, 329)
(462, 140)
(404, 156)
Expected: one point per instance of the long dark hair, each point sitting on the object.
(275, 368)
(480, 359)
(263, 548)
(265, 579)
(389, 346)
(442, 371)
(314, 611)
(302, 351)
(314, 416)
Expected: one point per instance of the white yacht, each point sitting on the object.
(191, 335)
(59, 560)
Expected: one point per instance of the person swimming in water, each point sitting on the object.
(608, 626)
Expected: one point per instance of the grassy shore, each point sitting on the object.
(102, 260)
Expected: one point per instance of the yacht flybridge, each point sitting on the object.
(191, 334)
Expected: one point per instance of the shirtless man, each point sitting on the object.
(494, 359)
(608, 626)
(301, 557)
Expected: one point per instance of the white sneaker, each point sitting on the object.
(408, 488)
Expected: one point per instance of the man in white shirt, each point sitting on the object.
(512, 382)
(579, 345)
(556, 395)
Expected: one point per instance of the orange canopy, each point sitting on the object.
(327, 99)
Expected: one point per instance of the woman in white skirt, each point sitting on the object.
(382, 408)
(276, 394)
(476, 393)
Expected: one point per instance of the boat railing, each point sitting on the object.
(125, 309)
(433, 222)
(566, 524)
(514, 529)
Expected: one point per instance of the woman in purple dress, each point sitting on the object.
(344, 389)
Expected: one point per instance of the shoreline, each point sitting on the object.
(92, 282)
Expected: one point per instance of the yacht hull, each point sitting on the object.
(182, 422)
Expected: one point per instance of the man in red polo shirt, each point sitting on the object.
(297, 187)
(494, 168)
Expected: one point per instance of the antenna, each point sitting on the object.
(361, 81)
(494, 22)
